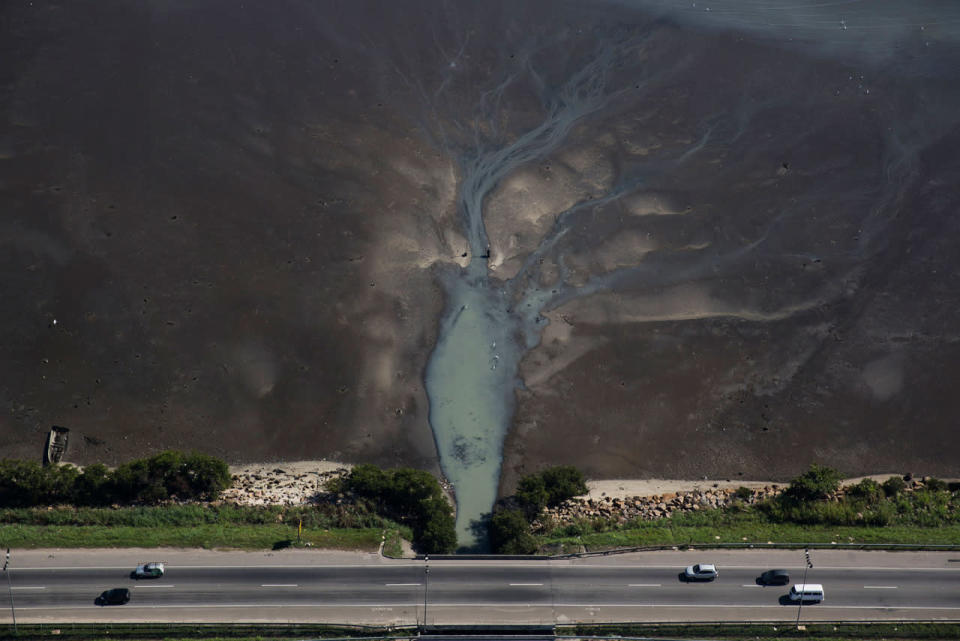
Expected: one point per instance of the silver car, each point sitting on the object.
(152, 570)
(701, 572)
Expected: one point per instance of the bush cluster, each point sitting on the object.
(407, 495)
(866, 503)
(168, 475)
(509, 527)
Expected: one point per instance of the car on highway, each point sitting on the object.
(116, 596)
(774, 577)
(152, 570)
(700, 572)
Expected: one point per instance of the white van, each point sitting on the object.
(807, 592)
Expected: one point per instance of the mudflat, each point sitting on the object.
(705, 244)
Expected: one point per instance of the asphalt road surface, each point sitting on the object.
(319, 586)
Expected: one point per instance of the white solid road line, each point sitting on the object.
(279, 585)
(880, 587)
(643, 585)
(728, 606)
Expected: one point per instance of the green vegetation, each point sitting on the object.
(764, 631)
(257, 537)
(214, 526)
(509, 526)
(254, 631)
(412, 497)
(715, 526)
(393, 541)
(323, 516)
(509, 532)
(551, 487)
(809, 511)
(134, 489)
(207, 631)
(815, 484)
(168, 475)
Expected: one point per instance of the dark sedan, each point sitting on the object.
(116, 596)
(774, 577)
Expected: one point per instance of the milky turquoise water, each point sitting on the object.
(489, 324)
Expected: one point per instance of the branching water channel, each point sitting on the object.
(490, 323)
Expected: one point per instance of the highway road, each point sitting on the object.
(361, 588)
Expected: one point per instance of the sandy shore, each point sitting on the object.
(290, 467)
(623, 488)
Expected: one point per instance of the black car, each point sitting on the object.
(116, 596)
(774, 577)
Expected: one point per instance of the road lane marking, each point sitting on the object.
(279, 585)
(29, 587)
(541, 564)
(643, 585)
(879, 587)
(741, 606)
(400, 585)
(750, 585)
(165, 585)
(526, 585)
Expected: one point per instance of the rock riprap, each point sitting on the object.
(276, 485)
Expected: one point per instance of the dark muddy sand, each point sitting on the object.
(652, 241)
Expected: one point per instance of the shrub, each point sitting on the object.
(563, 482)
(866, 490)
(27, 483)
(743, 493)
(435, 530)
(411, 496)
(532, 495)
(205, 475)
(935, 485)
(93, 486)
(881, 515)
(815, 484)
(551, 487)
(150, 480)
(510, 533)
(365, 480)
(894, 485)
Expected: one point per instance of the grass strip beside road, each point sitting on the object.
(207, 631)
(764, 631)
(724, 526)
(783, 533)
(265, 536)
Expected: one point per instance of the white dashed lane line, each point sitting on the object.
(144, 587)
(643, 585)
(401, 585)
(30, 587)
(279, 585)
(880, 587)
(526, 585)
